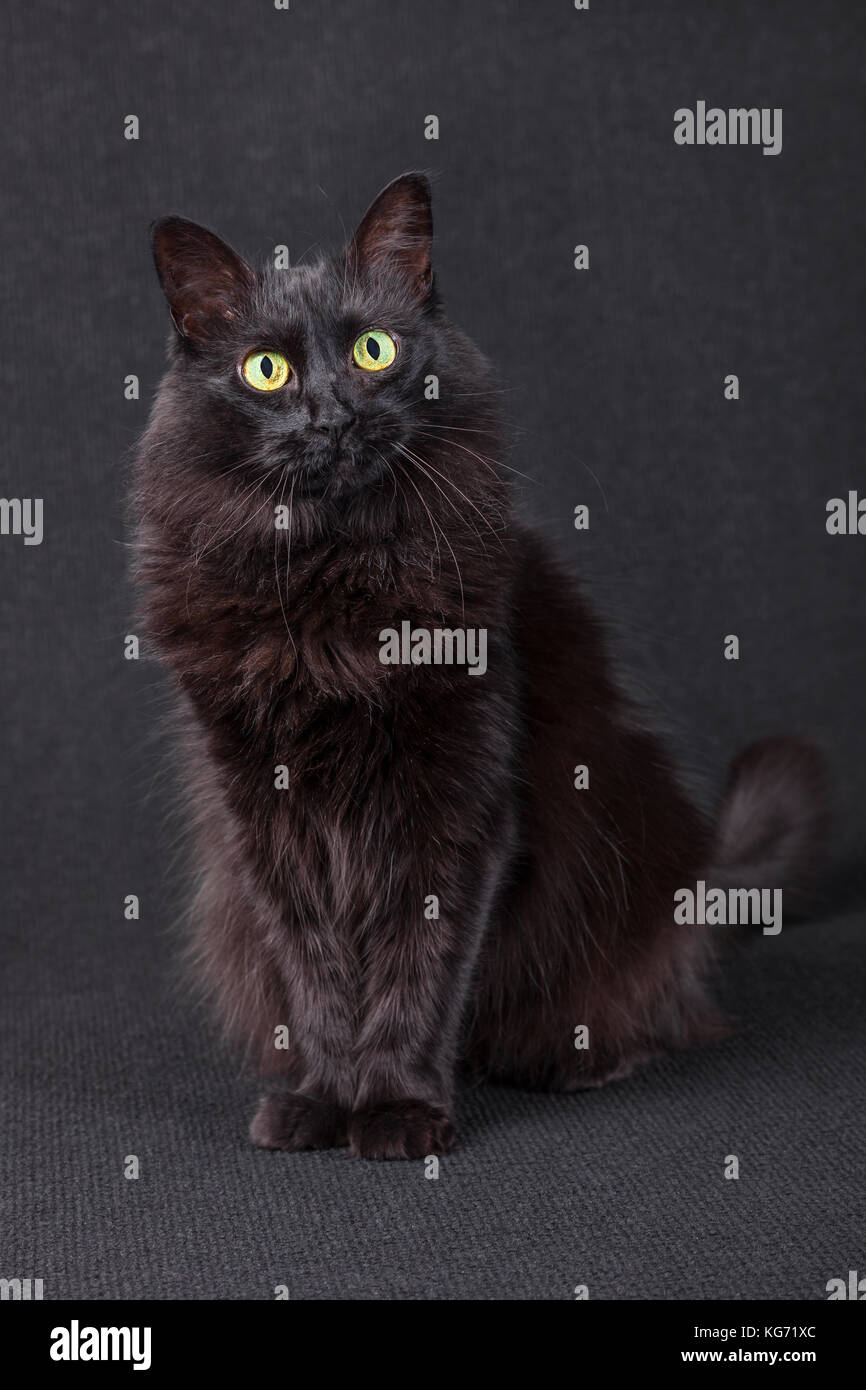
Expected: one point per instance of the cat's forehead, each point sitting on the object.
(317, 290)
(324, 294)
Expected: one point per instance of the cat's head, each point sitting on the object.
(327, 376)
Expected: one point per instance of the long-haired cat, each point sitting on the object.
(400, 877)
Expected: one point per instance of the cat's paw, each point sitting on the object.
(292, 1122)
(400, 1129)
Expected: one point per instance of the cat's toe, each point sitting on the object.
(400, 1129)
(294, 1123)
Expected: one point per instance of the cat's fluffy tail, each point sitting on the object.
(773, 822)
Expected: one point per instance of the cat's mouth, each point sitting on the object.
(341, 471)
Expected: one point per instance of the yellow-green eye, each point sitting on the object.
(374, 350)
(266, 371)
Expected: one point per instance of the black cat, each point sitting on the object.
(398, 874)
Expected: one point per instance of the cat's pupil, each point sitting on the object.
(373, 349)
(267, 367)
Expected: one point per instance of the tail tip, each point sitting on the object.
(775, 812)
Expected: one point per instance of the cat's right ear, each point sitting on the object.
(397, 231)
(205, 282)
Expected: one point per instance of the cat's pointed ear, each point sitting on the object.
(205, 282)
(397, 230)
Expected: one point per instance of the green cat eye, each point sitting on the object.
(266, 371)
(374, 350)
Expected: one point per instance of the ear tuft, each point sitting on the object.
(397, 230)
(206, 283)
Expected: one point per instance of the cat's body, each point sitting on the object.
(398, 873)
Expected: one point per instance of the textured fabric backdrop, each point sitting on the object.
(707, 517)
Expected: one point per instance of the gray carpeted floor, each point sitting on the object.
(622, 1190)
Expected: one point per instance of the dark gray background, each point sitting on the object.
(707, 517)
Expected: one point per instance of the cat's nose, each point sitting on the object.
(334, 421)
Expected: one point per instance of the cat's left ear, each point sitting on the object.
(397, 231)
(205, 282)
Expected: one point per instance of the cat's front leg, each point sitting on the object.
(414, 1000)
(316, 974)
